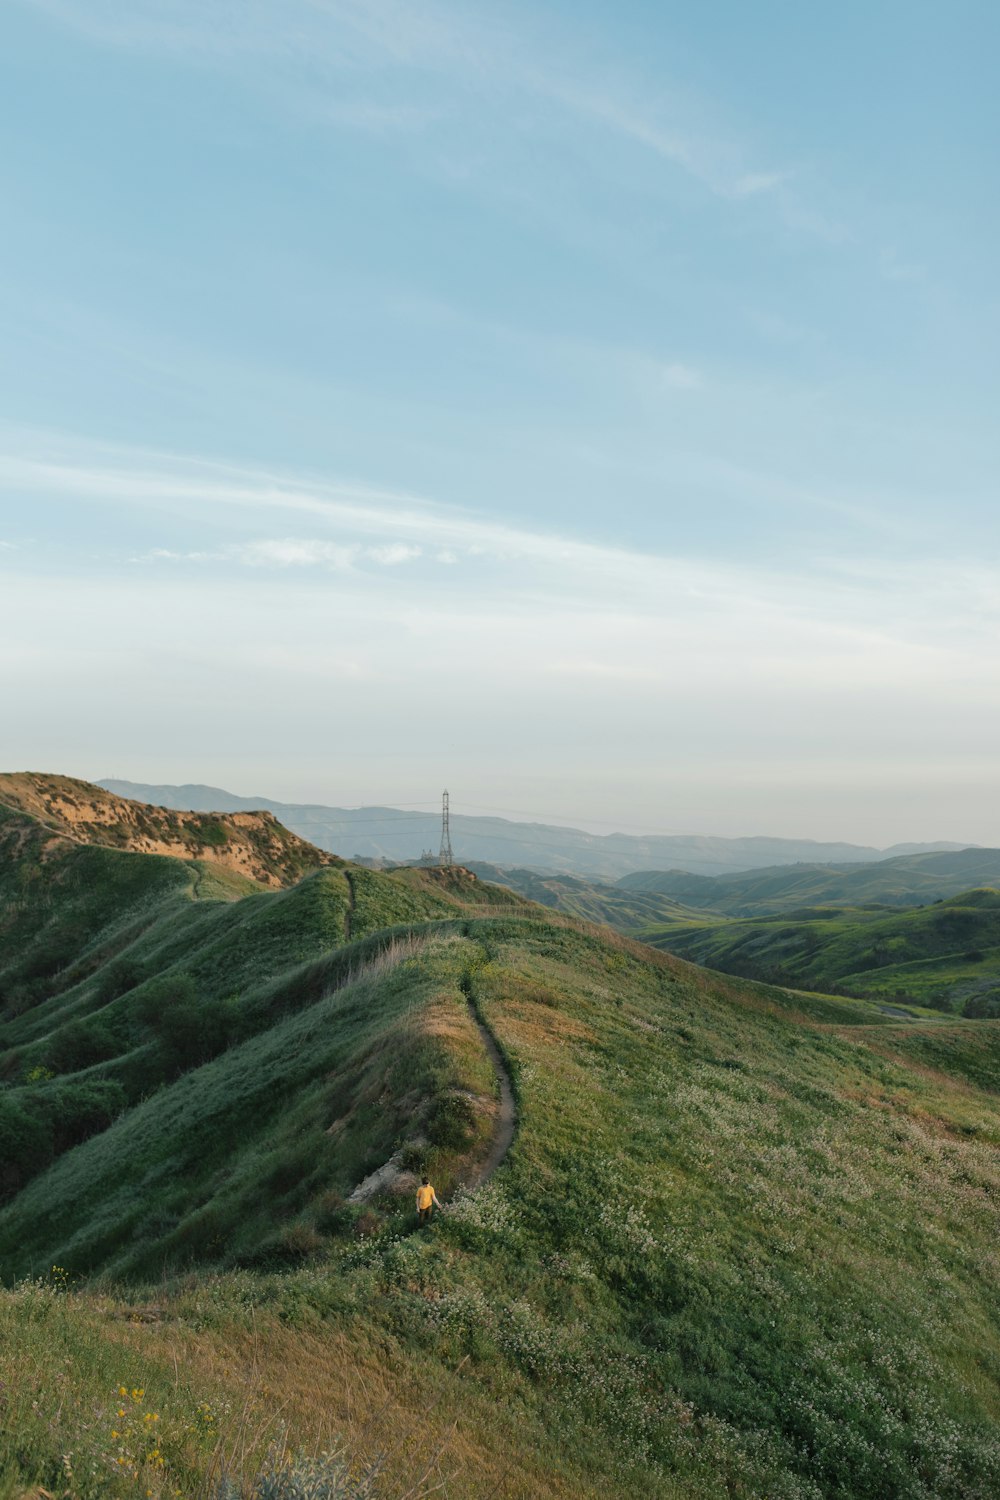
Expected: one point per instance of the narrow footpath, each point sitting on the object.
(352, 901)
(507, 1119)
(383, 1178)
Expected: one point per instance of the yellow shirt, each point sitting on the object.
(425, 1196)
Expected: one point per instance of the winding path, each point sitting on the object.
(352, 901)
(506, 1125)
(384, 1176)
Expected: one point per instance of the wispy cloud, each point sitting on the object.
(341, 37)
(292, 552)
(338, 608)
(289, 552)
(371, 527)
(752, 184)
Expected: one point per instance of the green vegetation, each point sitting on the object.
(592, 901)
(907, 880)
(745, 1242)
(946, 955)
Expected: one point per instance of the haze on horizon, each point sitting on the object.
(591, 410)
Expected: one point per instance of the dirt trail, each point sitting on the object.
(352, 900)
(507, 1118)
(384, 1177)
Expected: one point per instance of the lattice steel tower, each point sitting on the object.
(444, 858)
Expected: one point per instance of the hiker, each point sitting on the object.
(427, 1198)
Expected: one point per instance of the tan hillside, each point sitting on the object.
(253, 844)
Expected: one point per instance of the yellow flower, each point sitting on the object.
(113, 1433)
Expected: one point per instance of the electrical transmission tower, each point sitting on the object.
(445, 857)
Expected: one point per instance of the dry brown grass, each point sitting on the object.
(431, 1428)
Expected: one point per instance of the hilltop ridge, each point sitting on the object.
(252, 844)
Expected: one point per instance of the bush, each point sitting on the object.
(327, 1477)
(983, 1007)
(451, 1122)
(25, 1146)
(78, 1045)
(213, 835)
(191, 1029)
(120, 977)
(79, 1110)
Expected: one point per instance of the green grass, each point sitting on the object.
(592, 901)
(271, 1134)
(905, 880)
(160, 970)
(946, 955)
(745, 1243)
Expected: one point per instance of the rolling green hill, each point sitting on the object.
(945, 955)
(591, 901)
(744, 1242)
(907, 880)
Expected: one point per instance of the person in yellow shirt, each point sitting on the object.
(427, 1200)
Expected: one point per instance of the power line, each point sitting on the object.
(445, 857)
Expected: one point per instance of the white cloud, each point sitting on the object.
(290, 552)
(392, 556)
(389, 528)
(657, 665)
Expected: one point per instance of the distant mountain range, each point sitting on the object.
(396, 835)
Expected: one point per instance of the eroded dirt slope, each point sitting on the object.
(253, 844)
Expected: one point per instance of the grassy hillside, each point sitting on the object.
(251, 844)
(744, 1243)
(591, 901)
(945, 955)
(123, 972)
(909, 880)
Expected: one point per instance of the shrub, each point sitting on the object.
(120, 977)
(25, 1146)
(451, 1122)
(332, 1214)
(191, 1029)
(78, 1045)
(984, 1007)
(79, 1110)
(327, 1477)
(213, 835)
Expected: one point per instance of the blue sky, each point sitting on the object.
(589, 407)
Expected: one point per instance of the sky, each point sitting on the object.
(588, 408)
